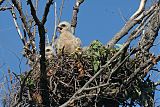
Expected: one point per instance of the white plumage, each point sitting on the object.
(66, 39)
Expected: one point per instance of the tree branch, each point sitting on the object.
(17, 27)
(48, 4)
(22, 16)
(129, 24)
(140, 9)
(75, 13)
(33, 13)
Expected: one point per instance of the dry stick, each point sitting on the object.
(57, 21)
(142, 67)
(22, 16)
(61, 10)
(132, 36)
(55, 24)
(17, 27)
(140, 9)
(110, 74)
(34, 30)
(5, 8)
(122, 16)
(17, 4)
(75, 13)
(129, 25)
(24, 81)
(48, 4)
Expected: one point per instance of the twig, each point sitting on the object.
(23, 82)
(129, 24)
(61, 10)
(75, 13)
(23, 19)
(142, 67)
(140, 9)
(47, 7)
(17, 27)
(5, 8)
(55, 24)
(36, 8)
(121, 15)
(33, 12)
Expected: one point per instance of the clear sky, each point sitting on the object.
(97, 19)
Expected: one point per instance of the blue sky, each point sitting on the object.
(97, 19)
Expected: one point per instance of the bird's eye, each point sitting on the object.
(47, 50)
(63, 25)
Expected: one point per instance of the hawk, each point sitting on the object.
(49, 52)
(66, 41)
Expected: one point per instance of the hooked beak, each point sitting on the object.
(59, 28)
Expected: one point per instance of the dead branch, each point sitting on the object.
(17, 27)
(5, 8)
(61, 10)
(47, 7)
(22, 16)
(75, 14)
(129, 24)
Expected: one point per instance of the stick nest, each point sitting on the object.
(69, 72)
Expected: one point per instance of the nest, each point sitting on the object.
(67, 73)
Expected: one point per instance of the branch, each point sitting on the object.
(157, 83)
(56, 21)
(55, 24)
(129, 24)
(5, 8)
(17, 27)
(22, 16)
(33, 13)
(48, 4)
(140, 9)
(75, 13)
(150, 31)
(61, 9)
(36, 8)
(150, 62)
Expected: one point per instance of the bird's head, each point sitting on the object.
(64, 26)
(49, 51)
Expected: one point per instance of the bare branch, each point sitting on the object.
(75, 13)
(140, 9)
(48, 4)
(55, 24)
(5, 8)
(33, 12)
(61, 10)
(129, 24)
(17, 27)
(36, 8)
(24, 22)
